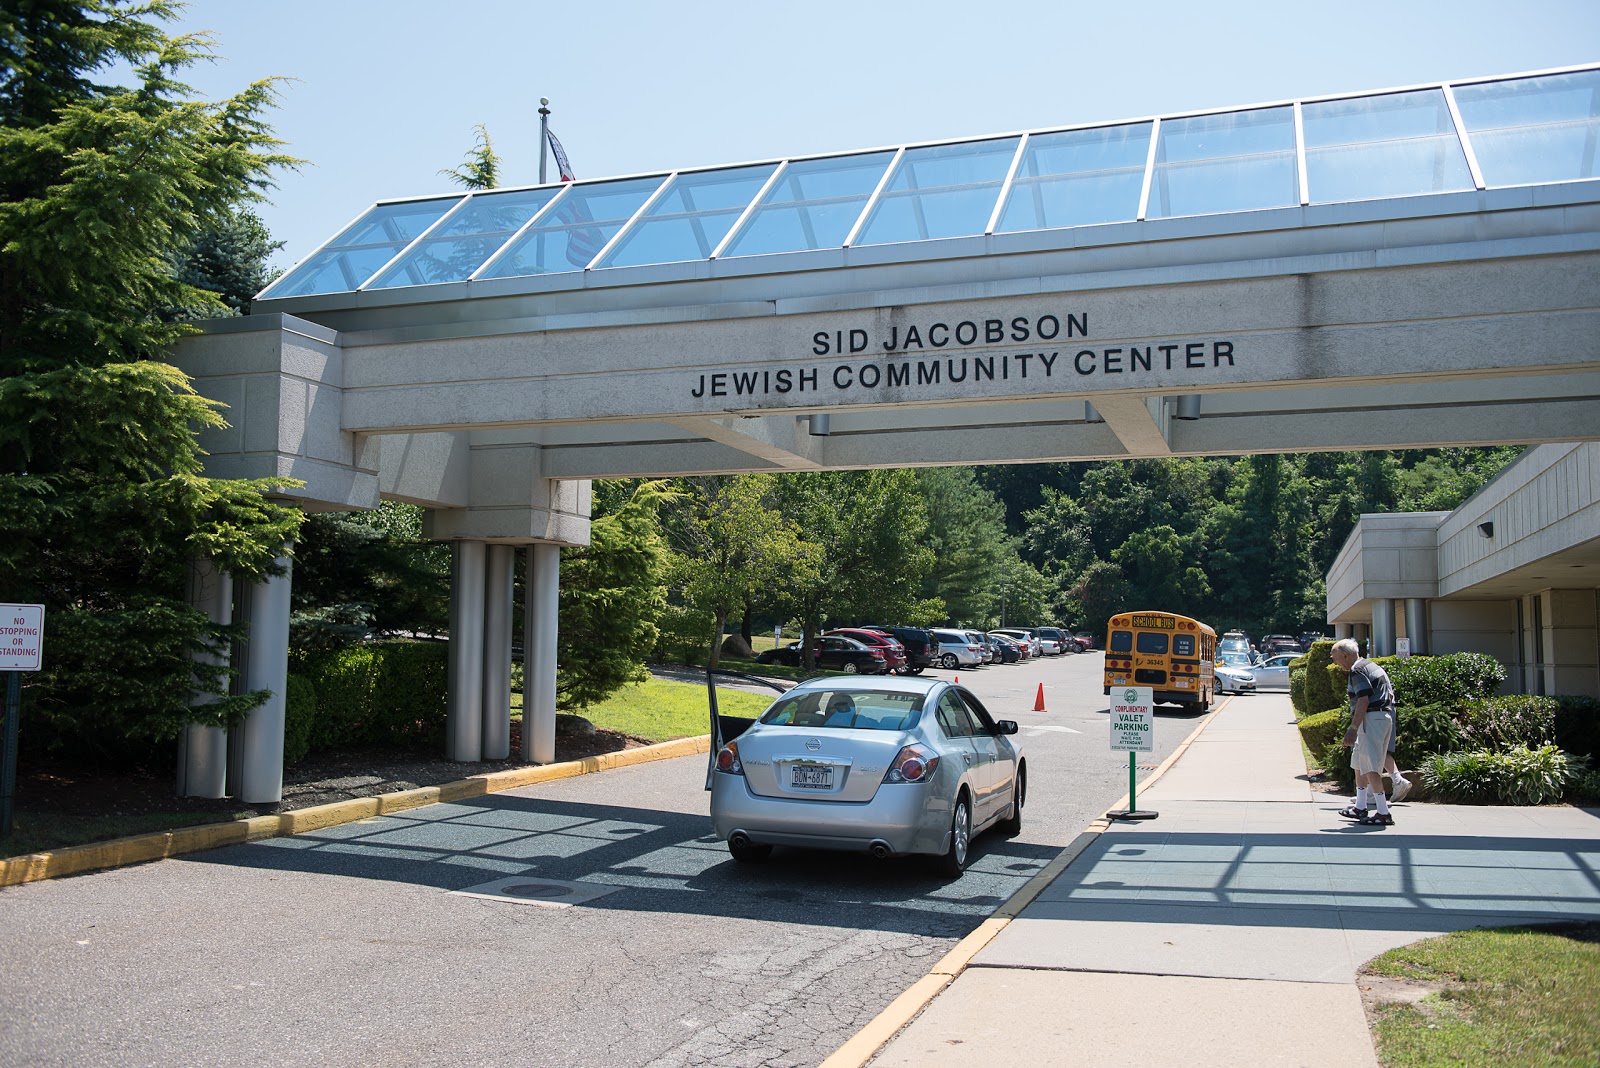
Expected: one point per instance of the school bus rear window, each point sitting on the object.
(1183, 645)
(1121, 641)
(1154, 644)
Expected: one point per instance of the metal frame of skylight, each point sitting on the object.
(627, 227)
(750, 209)
(375, 275)
(900, 150)
(561, 195)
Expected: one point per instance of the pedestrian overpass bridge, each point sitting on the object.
(1404, 268)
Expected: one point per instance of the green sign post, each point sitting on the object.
(21, 649)
(1133, 728)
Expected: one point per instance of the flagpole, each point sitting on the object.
(544, 134)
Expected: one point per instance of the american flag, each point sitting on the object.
(584, 240)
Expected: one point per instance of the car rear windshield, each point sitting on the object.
(846, 708)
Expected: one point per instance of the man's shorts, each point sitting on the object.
(1372, 742)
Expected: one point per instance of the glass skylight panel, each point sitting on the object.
(363, 247)
(814, 205)
(573, 232)
(690, 220)
(1235, 161)
(1078, 177)
(466, 239)
(1534, 129)
(1398, 145)
(941, 191)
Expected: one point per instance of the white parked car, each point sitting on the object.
(956, 650)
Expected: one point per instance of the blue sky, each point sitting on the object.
(385, 94)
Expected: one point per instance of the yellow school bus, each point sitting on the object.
(1169, 653)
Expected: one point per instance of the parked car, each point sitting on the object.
(1234, 641)
(1308, 637)
(1080, 643)
(1005, 647)
(1086, 640)
(834, 652)
(1279, 643)
(1049, 635)
(991, 655)
(1233, 673)
(1273, 672)
(888, 767)
(919, 646)
(956, 650)
(1024, 648)
(1023, 635)
(893, 652)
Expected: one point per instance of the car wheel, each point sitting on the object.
(949, 662)
(913, 671)
(849, 667)
(954, 861)
(1011, 826)
(749, 852)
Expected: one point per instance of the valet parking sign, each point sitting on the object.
(1133, 720)
(21, 636)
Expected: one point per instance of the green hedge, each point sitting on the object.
(1504, 723)
(1451, 679)
(1321, 732)
(1578, 725)
(389, 693)
(1324, 686)
(299, 718)
(1520, 776)
(1297, 685)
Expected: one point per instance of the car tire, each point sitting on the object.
(849, 667)
(949, 662)
(954, 860)
(1011, 826)
(749, 852)
(913, 671)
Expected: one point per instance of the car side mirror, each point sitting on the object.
(1005, 726)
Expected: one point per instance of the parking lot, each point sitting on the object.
(353, 946)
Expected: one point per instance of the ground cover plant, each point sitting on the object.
(1512, 997)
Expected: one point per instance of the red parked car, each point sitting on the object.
(894, 654)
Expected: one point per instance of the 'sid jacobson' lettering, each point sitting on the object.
(1057, 366)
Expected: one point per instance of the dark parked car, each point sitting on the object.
(921, 650)
(833, 652)
(1273, 644)
(1009, 653)
(893, 652)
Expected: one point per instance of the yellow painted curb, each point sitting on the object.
(866, 1043)
(157, 845)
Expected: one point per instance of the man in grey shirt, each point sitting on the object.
(1371, 726)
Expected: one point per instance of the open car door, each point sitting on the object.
(725, 729)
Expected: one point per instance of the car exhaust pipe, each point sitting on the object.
(880, 849)
(739, 840)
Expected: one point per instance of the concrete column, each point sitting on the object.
(202, 750)
(1382, 627)
(498, 596)
(267, 668)
(464, 724)
(1572, 642)
(1417, 625)
(1341, 630)
(539, 617)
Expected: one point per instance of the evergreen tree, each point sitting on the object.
(103, 188)
(481, 167)
(967, 533)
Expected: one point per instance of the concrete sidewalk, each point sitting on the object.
(1228, 931)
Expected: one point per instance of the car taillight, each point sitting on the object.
(728, 759)
(914, 763)
(877, 654)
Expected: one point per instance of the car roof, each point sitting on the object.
(919, 684)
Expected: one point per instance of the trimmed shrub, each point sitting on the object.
(1320, 732)
(1578, 725)
(1521, 776)
(1504, 723)
(1452, 679)
(1321, 689)
(684, 636)
(299, 718)
(1297, 686)
(1420, 732)
(1585, 786)
(379, 693)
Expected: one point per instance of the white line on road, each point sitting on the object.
(1052, 727)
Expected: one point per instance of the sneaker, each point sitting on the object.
(1402, 786)
(1350, 812)
(1376, 819)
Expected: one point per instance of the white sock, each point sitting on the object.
(1383, 803)
(1361, 797)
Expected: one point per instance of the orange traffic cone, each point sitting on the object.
(958, 678)
(1038, 702)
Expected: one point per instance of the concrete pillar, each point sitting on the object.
(1341, 630)
(498, 596)
(202, 750)
(539, 618)
(1382, 627)
(1417, 625)
(464, 722)
(1572, 642)
(267, 668)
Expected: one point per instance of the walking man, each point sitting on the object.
(1371, 726)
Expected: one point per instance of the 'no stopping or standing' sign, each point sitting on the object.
(21, 636)
(1133, 719)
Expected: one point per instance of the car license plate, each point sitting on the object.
(811, 776)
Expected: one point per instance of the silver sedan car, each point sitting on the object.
(885, 766)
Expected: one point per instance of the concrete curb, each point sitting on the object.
(158, 845)
(871, 1039)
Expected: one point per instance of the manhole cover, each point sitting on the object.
(551, 893)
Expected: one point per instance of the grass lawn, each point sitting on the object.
(1513, 997)
(660, 710)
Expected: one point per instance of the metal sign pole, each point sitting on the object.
(8, 770)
